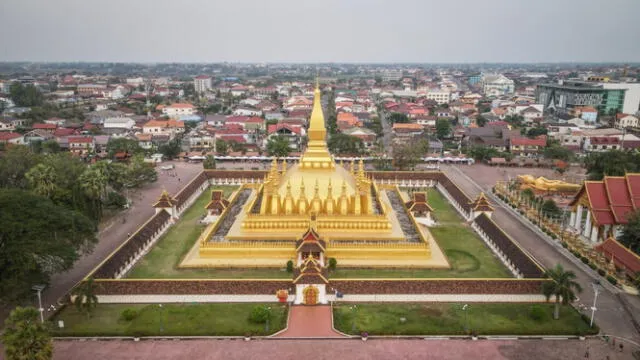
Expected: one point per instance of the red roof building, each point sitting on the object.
(600, 208)
(622, 257)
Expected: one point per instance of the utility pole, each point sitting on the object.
(39, 289)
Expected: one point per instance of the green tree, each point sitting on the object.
(481, 121)
(222, 147)
(558, 152)
(37, 239)
(550, 208)
(42, 179)
(171, 149)
(116, 145)
(631, 233)
(25, 95)
(85, 297)
(483, 153)
(50, 147)
(278, 146)
(15, 162)
(443, 128)
(345, 144)
(94, 183)
(407, 156)
(140, 172)
(25, 338)
(397, 117)
(536, 131)
(514, 120)
(563, 286)
(209, 162)
(611, 163)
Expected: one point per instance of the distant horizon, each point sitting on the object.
(292, 31)
(631, 63)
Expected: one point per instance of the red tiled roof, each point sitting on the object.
(4, 136)
(612, 199)
(237, 138)
(519, 141)
(63, 132)
(202, 77)
(602, 140)
(622, 257)
(275, 127)
(80, 139)
(45, 126)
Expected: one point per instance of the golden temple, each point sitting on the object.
(345, 206)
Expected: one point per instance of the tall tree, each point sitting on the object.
(481, 121)
(25, 95)
(407, 156)
(443, 128)
(631, 233)
(14, 164)
(37, 239)
(345, 144)
(94, 183)
(209, 162)
(42, 179)
(25, 338)
(397, 117)
(222, 147)
(85, 297)
(563, 287)
(611, 163)
(278, 146)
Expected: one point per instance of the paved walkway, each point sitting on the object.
(610, 316)
(337, 349)
(310, 321)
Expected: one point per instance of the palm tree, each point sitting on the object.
(25, 337)
(42, 178)
(86, 299)
(562, 287)
(94, 183)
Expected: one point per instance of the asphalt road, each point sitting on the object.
(610, 316)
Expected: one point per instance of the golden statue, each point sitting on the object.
(543, 184)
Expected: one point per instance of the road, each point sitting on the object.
(610, 316)
(114, 233)
(387, 133)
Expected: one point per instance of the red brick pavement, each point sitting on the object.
(310, 321)
(336, 349)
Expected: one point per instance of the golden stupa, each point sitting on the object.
(344, 206)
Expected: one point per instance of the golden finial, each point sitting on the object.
(284, 165)
(352, 170)
(329, 189)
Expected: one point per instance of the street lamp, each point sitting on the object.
(596, 289)
(266, 325)
(466, 323)
(353, 320)
(39, 289)
(161, 324)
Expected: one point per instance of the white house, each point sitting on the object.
(202, 83)
(246, 111)
(119, 123)
(11, 138)
(497, 85)
(439, 96)
(178, 109)
(626, 122)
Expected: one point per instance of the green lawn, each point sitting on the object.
(449, 319)
(466, 252)
(162, 261)
(176, 319)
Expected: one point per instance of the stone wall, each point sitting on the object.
(266, 287)
(511, 254)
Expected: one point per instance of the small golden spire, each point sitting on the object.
(352, 170)
(284, 165)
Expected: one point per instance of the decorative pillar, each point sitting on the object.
(578, 224)
(594, 234)
(572, 220)
(587, 225)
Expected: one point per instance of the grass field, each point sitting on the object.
(174, 319)
(466, 252)
(449, 319)
(162, 261)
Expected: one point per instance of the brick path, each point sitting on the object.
(309, 321)
(336, 349)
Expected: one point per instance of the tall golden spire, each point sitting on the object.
(317, 156)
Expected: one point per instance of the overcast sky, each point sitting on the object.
(320, 30)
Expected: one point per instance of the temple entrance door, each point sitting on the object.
(310, 295)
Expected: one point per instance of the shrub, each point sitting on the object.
(333, 263)
(128, 314)
(553, 236)
(259, 314)
(521, 212)
(290, 266)
(565, 245)
(577, 254)
(612, 280)
(601, 272)
(585, 259)
(592, 266)
(537, 313)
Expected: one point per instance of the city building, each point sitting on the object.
(624, 121)
(163, 127)
(202, 83)
(391, 75)
(439, 96)
(177, 109)
(631, 95)
(497, 85)
(566, 96)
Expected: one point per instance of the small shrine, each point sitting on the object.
(310, 276)
(480, 206)
(420, 209)
(167, 203)
(216, 206)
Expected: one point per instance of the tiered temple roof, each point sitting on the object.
(165, 201)
(419, 203)
(218, 203)
(612, 199)
(311, 242)
(622, 257)
(311, 273)
(481, 203)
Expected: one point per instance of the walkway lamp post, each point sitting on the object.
(38, 289)
(353, 320)
(161, 323)
(466, 322)
(596, 290)
(266, 325)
